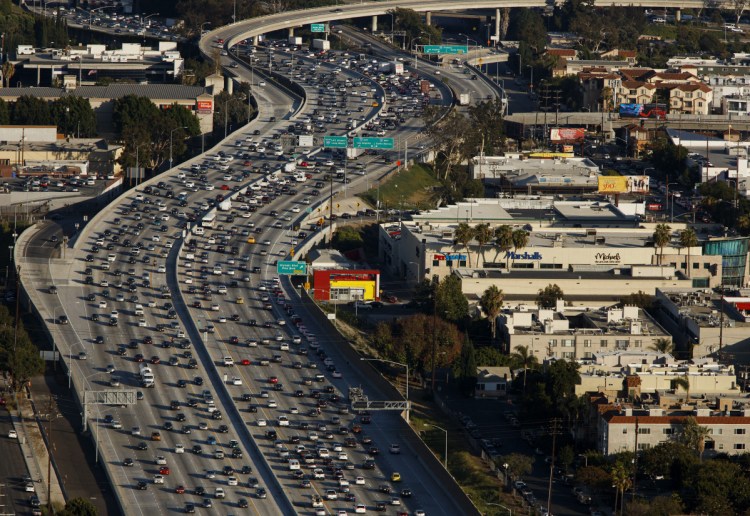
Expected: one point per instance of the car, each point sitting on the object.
(242, 503)
(160, 461)
(142, 485)
(261, 493)
(12, 434)
(164, 470)
(128, 462)
(219, 493)
(395, 449)
(395, 476)
(180, 489)
(158, 479)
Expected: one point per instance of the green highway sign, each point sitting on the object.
(291, 268)
(373, 143)
(317, 27)
(335, 142)
(446, 49)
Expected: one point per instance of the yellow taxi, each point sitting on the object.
(240, 300)
(251, 240)
(395, 476)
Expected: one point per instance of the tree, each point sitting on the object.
(149, 133)
(450, 301)
(491, 303)
(688, 239)
(78, 507)
(662, 346)
(566, 456)
(523, 358)
(487, 356)
(74, 117)
(347, 238)
(548, 296)
(519, 465)
(464, 235)
(622, 481)
(28, 110)
(683, 382)
(594, 477)
(669, 459)
(465, 369)
(520, 239)
(694, 436)
(662, 236)
(717, 487)
(665, 505)
(9, 69)
(483, 235)
(639, 299)
(504, 241)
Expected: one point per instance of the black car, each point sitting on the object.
(128, 462)
(199, 490)
(189, 508)
(198, 380)
(242, 503)
(142, 445)
(142, 485)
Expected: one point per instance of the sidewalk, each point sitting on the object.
(34, 448)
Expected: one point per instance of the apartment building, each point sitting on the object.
(577, 333)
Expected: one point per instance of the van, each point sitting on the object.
(198, 230)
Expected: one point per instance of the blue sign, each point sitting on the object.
(536, 255)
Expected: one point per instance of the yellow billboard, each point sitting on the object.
(623, 184)
(367, 287)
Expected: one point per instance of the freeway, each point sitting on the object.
(98, 345)
(152, 414)
(456, 75)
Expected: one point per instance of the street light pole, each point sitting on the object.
(445, 463)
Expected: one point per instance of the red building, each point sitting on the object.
(346, 285)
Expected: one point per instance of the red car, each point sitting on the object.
(234, 340)
(247, 164)
(225, 187)
(179, 489)
(155, 360)
(164, 470)
(273, 379)
(245, 361)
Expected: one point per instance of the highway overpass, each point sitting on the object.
(289, 20)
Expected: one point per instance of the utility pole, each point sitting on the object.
(635, 462)
(554, 431)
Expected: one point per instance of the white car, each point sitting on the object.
(262, 422)
(236, 380)
(294, 410)
(158, 479)
(283, 421)
(360, 481)
(318, 474)
(161, 460)
(102, 304)
(337, 374)
(360, 508)
(272, 404)
(136, 430)
(178, 448)
(331, 494)
(232, 481)
(12, 434)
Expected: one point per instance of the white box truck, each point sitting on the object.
(321, 44)
(295, 40)
(464, 99)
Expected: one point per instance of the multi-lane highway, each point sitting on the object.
(134, 253)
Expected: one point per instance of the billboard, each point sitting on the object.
(205, 106)
(658, 111)
(567, 134)
(623, 184)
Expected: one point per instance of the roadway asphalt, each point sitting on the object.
(13, 498)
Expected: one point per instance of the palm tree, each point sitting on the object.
(622, 481)
(688, 239)
(520, 239)
(483, 234)
(662, 346)
(694, 436)
(684, 383)
(491, 302)
(8, 69)
(522, 357)
(662, 236)
(465, 234)
(504, 241)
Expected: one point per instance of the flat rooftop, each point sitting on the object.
(705, 308)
